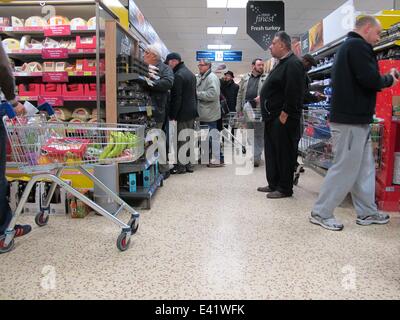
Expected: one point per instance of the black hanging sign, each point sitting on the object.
(264, 20)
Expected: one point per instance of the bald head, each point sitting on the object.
(369, 28)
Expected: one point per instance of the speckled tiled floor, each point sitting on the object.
(209, 235)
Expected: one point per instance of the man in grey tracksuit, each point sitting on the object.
(356, 81)
(249, 91)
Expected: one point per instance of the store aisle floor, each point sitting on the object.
(210, 235)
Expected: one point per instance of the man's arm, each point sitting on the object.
(165, 82)
(294, 87)
(7, 82)
(176, 98)
(211, 92)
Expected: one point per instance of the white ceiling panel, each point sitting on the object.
(182, 24)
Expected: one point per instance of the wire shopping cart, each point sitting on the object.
(240, 121)
(316, 147)
(44, 149)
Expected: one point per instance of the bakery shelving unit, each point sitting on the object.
(128, 102)
(89, 49)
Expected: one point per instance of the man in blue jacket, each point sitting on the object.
(356, 81)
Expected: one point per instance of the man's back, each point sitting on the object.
(355, 81)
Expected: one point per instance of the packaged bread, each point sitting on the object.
(50, 43)
(17, 22)
(27, 43)
(92, 23)
(95, 114)
(78, 22)
(96, 121)
(11, 44)
(32, 67)
(49, 66)
(58, 21)
(4, 21)
(82, 114)
(63, 114)
(61, 66)
(35, 21)
(76, 121)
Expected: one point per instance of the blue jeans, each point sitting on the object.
(5, 211)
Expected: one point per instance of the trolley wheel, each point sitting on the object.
(8, 248)
(134, 224)
(40, 220)
(122, 243)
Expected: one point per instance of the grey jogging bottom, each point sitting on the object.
(353, 171)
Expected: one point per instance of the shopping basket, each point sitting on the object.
(45, 148)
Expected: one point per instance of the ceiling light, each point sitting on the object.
(229, 30)
(219, 46)
(214, 30)
(237, 3)
(216, 3)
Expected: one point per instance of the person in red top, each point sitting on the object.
(7, 86)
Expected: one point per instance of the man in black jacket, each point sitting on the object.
(183, 106)
(159, 96)
(229, 90)
(281, 104)
(356, 81)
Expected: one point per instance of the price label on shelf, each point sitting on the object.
(53, 101)
(54, 31)
(55, 76)
(55, 53)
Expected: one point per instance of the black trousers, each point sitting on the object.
(281, 153)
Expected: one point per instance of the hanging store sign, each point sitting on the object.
(339, 22)
(264, 20)
(219, 56)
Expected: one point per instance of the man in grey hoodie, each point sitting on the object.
(209, 108)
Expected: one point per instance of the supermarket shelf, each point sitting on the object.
(388, 45)
(39, 31)
(143, 193)
(85, 98)
(122, 77)
(138, 166)
(132, 109)
(322, 69)
(70, 74)
(38, 52)
(328, 50)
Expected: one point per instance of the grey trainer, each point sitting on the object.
(329, 224)
(378, 218)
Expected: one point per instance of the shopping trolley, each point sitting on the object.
(240, 121)
(316, 148)
(45, 148)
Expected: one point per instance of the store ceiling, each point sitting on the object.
(182, 24)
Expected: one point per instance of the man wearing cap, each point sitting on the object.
(249, 91)
(183, 105)
(229, 90)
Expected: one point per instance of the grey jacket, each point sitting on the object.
(243, 90)
(208, 94)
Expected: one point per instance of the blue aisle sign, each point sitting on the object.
(220, 56)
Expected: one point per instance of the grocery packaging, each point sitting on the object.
(35, 21)
(81, 113)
